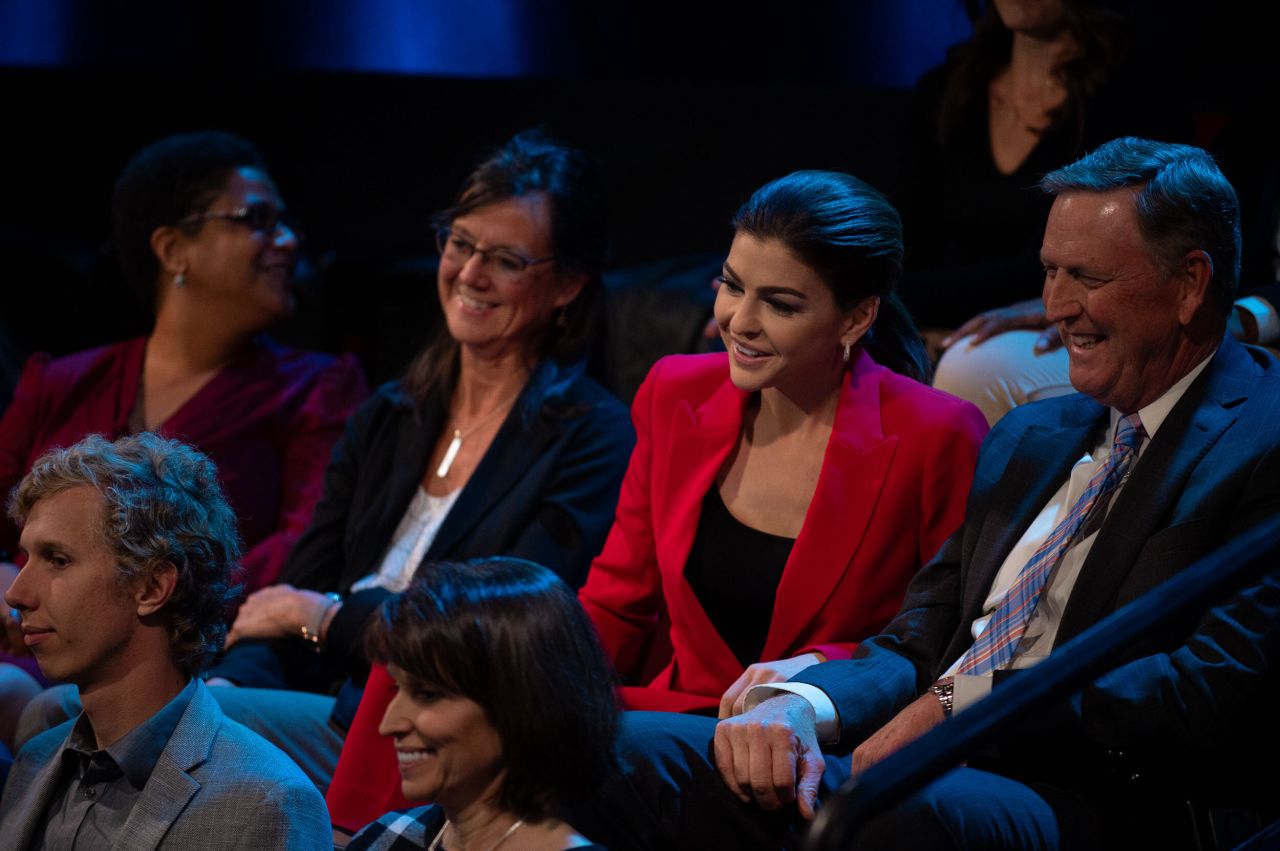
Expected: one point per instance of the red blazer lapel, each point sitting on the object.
(701, 441)
(854, 470)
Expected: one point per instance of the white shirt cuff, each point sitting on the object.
(1265, 315)
(828, 726)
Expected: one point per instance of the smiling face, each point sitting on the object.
(779, 321)
(78, 619)
(232, 266)
(1123, 316)
(493, 310)
(448, 751)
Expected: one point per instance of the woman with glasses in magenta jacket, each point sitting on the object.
(200, 235)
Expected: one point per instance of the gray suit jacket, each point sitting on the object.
(217, 785)
(1193, 693)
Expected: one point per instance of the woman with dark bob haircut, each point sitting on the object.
(782, 494)
(504, 712)
(495, 442)
(200, 234)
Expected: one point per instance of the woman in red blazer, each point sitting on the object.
(781, 496)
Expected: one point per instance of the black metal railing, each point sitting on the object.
(1093, 652)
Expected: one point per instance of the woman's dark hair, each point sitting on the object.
(531, 162)
(851, 236)
(1099, 31)
(163, 184)
(510, 635)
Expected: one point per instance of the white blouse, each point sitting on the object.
(417, 529)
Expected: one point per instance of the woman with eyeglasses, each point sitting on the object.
(495, 442)
(198, 232)
(781, 495)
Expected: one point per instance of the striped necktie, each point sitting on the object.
(994, 647)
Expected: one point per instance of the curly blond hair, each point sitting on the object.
(162, 504)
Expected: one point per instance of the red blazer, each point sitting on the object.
(892, 489)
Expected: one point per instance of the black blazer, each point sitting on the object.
(545, 490)
(1194, 695)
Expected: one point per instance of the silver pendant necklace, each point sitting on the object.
(459, 435)
(435, 843)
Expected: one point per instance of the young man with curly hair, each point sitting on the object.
(130, 549)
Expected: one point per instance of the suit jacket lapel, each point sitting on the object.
(414, 439)
(1036, 468)
(1157, 482)
(701, 442)
(171, 787)
(854, 469)
(35, 800)
(514, 449)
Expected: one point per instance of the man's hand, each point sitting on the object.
(1022, 314)
(763, 672)
(276, 612)
(918, 718)
(770, 754)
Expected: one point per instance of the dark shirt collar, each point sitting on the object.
(138, 750)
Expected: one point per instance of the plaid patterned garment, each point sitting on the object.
(401, 830)
(412, 830)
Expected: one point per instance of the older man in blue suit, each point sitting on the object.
(130, 547)
(1079, 506)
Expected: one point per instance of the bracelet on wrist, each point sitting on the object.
(945, 690)
(311, 630)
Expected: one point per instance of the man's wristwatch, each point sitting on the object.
(945, 690)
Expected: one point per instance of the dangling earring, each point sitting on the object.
(180, 280)
(847, 348)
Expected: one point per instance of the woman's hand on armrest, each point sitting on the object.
(279, 611)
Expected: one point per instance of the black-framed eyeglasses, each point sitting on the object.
(260, 216)
(458, 249)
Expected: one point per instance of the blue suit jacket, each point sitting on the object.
(216, 785)
(1211, 471)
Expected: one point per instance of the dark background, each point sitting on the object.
(371, 113)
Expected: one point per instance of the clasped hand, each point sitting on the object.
(762, 673)
(771, 755)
